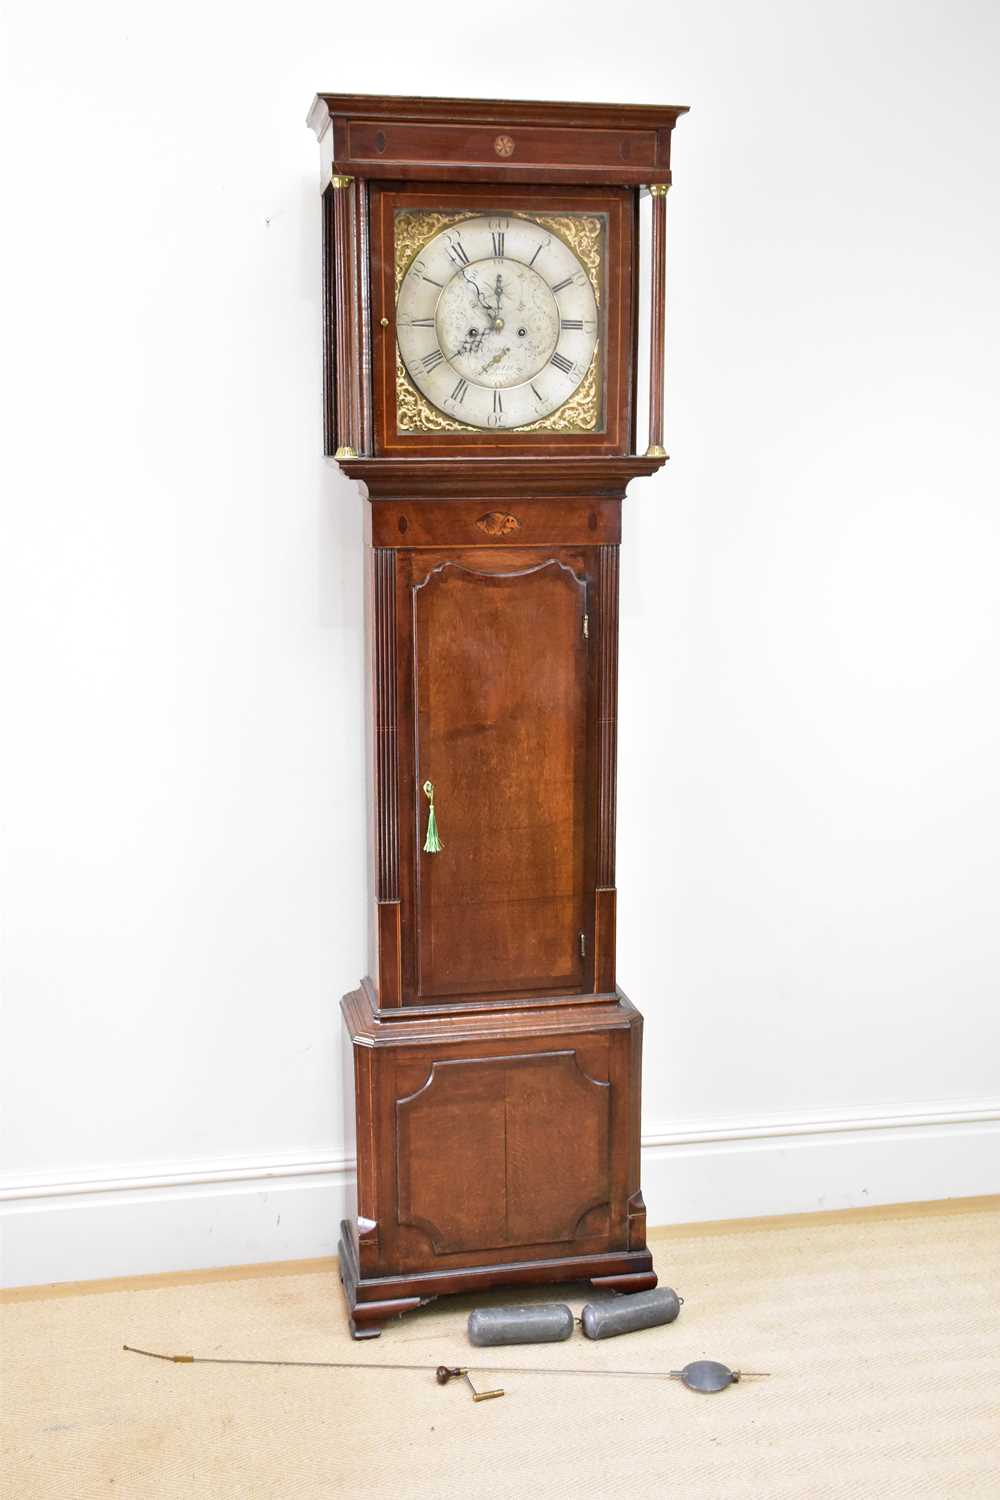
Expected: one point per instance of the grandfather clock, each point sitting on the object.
(481, 331)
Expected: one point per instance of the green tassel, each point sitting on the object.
(432, 844)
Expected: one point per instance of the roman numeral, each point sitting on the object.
(457, 252)
(498, 243)
(432, 360)
(497, 404)
(458, 394)
(566, 281)
(539, 398)
(537, 253)
(433, 282)
(570, 323)
(421, 322)
(561, 362)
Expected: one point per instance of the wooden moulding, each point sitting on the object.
(494, 140)
(371, 1025)
(581, 477)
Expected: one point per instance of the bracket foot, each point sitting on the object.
(637, 1281)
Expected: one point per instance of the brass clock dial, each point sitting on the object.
(497, 322)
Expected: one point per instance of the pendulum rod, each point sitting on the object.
(443, 1373)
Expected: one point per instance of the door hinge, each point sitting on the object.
(583, 945)
(586, 627)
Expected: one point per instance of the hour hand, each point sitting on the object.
(479, 293)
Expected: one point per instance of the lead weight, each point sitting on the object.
(605, 1320)
(540, 1323)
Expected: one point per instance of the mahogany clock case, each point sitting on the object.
(496, 1064)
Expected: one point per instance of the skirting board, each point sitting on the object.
(189, 1217)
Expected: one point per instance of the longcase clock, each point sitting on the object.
(481, 332)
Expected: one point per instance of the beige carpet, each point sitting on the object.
(881, 1327)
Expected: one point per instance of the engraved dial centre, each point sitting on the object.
(497, 323)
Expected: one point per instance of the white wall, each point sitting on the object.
(810, 807)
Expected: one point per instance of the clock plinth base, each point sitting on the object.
(373, 1303)
(497, 1147)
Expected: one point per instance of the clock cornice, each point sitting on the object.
(491, 111)
(494, 140)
